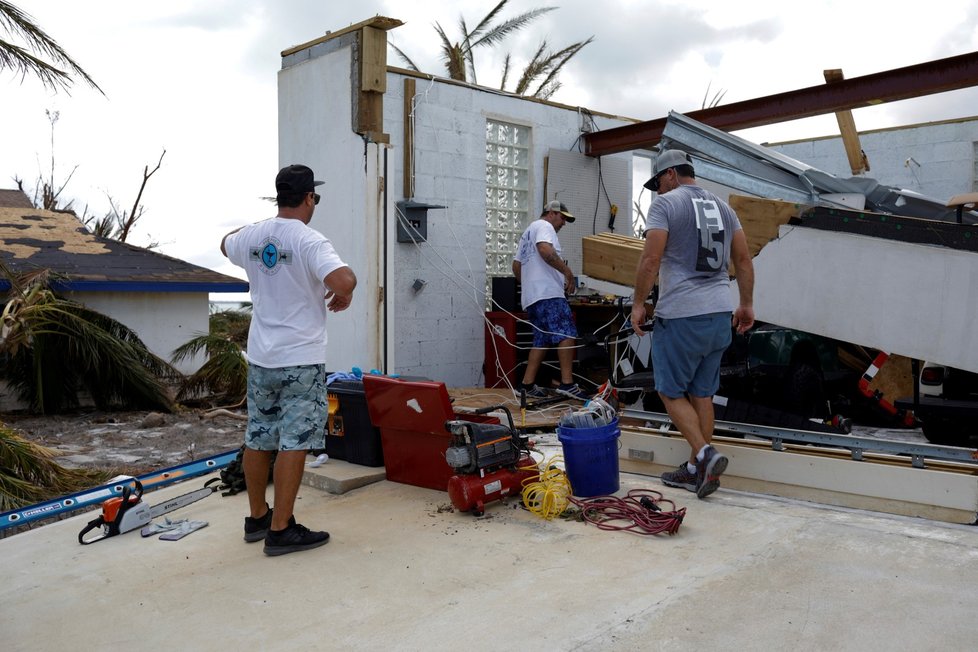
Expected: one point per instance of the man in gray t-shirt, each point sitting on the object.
(691, 238)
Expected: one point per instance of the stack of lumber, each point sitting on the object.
(612, 257)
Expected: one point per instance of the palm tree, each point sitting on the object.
(545, 64)
(29, 474)
(37, 44)
(459, 56)
(51, 347)
(225, 374)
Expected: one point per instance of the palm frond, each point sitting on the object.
(506, 65)
(486, 20)
(17, 22)
(29, 473)
(55, 346)
(533, 69)
(225, 372)
(410, 64)
(502, 30)
(553, 67)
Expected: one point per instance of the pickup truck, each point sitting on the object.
(788, 370)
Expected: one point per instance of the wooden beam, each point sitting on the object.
(377, 22)
(410, 89)
(373, 60)
(899, 84)
(858, 162)
(372, 85)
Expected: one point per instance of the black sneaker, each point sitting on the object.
(294, 538)
(257, 528)
(708, 472)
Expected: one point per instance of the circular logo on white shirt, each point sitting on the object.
(270, 256)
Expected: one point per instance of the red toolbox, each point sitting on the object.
(411, 415)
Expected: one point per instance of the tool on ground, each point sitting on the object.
(71, 502)
(172, 530)
(490, 461)
(128, 512)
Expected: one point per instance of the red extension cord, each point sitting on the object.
(638, 512)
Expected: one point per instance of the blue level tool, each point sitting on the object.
(100, 494)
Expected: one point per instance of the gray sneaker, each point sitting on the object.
(708, 472)
(573, 391)
(680, 478)
(535, 391)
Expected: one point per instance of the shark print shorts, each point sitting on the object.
(287, 408)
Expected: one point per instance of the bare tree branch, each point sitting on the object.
(137, 210)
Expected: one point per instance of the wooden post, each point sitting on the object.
(373, 83)
(410, 89)
(858, 162)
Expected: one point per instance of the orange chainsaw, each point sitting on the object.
(128, 512)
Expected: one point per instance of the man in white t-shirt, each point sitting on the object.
(295, 277)
(545, 280)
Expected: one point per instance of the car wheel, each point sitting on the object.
(804, 393)
(945, 432)
(652, 403)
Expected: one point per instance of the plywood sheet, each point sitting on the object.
(761, 218)
(588, 186)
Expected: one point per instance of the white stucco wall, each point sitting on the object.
(439, 332)
(943, 156)
(315, 117)
(163, 320)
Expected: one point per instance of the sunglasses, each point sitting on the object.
(654, 186)
(316, 198)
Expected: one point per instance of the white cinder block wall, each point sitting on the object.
(440, 330)
(943, 156)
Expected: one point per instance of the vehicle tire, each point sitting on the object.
(804, 392)
(652, 403)
(945, 432)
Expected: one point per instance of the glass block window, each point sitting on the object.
(507, 195)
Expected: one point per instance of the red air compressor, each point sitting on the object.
(490, 461)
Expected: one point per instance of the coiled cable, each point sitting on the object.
(548, 494)
(639, 511)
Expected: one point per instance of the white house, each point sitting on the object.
(163, 299)
(485, 161)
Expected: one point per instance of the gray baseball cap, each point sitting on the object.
(669, 158)
(558, 207)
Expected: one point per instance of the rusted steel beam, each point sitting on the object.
(900, 84)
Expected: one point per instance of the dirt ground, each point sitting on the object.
(133, 443)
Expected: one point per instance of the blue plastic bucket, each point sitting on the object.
(591, 458)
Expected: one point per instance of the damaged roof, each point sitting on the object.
(32, 239)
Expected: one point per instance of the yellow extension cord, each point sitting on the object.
(548, 494)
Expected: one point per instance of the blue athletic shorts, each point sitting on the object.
(686, 354)
(287, 408)
(552, 322)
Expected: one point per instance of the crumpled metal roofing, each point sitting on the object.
(745, 166)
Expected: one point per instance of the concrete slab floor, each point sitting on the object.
(745, 572)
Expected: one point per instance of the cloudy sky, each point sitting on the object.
(198, 80)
